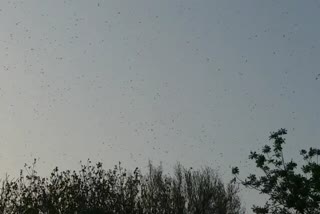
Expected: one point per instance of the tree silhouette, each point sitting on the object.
(95, 190)
(290, 190)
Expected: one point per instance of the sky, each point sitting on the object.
(200, 82)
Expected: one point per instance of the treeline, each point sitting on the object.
(291, 188)
(93, 189)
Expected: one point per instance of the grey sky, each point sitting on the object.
(200, 82)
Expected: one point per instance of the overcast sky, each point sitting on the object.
(202, 82)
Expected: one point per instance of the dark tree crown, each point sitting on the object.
(290, 190)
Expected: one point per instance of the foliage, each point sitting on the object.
(95, 190)
(290, 190)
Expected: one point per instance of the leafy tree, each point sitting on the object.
(289, 189)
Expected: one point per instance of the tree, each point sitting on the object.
(189, 191)
(289, 189)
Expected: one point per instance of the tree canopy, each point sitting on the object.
(289, 189)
